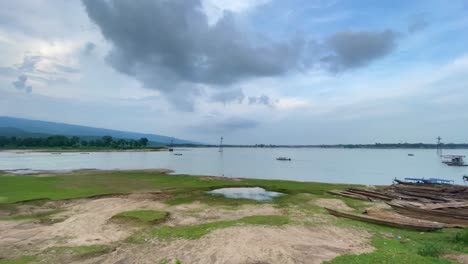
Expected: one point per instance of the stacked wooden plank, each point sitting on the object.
(440, 203)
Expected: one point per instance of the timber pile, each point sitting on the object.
(439, 203)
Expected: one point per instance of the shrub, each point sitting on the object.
(430, 250)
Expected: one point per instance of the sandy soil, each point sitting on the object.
(87, 220)
(333, 204)
(463, 258)
(250, 244)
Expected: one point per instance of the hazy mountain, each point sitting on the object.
(37, 128)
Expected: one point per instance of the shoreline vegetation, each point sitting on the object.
(61, 143)
(155, 217)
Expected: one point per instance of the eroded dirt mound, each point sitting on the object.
(252, 244)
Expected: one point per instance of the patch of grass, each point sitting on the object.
(69, 254)
(145, 216)
(87, 184)
(412, 246)
(197, 231)
(389, 251)
(428, 249)
(462, 237)
(90, 251)
(42, 217)
(20, 260)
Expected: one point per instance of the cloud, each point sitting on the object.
(228, 125)
(229, 96)
(20, 84)
(174, 39)
(352, 49)
(261, 100)
(171, 45)
(418, 23)
(89, 48)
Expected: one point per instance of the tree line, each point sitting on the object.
(72, 142)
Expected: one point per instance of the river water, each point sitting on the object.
(361, 166)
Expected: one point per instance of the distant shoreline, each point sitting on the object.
(45, 150)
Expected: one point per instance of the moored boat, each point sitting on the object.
(419, 181)
(283, 158)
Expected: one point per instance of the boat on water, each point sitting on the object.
(411, 155)
(283, 158)
(465, 177)
(453, 160)
(177, 154)
(418, 181)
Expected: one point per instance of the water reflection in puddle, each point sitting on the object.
(255, 193)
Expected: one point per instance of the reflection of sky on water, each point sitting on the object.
(254, 193)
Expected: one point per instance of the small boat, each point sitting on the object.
(56, 153)
(283, 158)
(419, 181)
(84, 153)
(412, 225)
(453, 160)
(411, 155)
(465, 177)
(177, 154)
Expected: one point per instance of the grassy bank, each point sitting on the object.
(392, 245)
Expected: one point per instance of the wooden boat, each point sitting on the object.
(283, 158)
(455, 216)
(419, 181)
(422, 226)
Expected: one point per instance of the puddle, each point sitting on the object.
(254, 193)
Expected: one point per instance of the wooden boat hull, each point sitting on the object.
(448, 217)
(392, 223)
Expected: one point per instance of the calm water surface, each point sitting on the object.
(362, 166)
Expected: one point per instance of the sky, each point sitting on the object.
(252, 71)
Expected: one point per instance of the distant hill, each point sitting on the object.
(36, 128)
(16, 132)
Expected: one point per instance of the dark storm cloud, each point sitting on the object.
(21, 85)
(156, 40)
(352, 49)
(165, 44)
(228, 96)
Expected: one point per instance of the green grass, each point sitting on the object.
(20, 260)
(90, 251)
(86, 184)
(43, 217)
(462, 237)
(197, 231)
(144, 216)
(413, 246)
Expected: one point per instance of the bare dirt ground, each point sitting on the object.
(250, 244)
(463, 258)
(86, 222)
